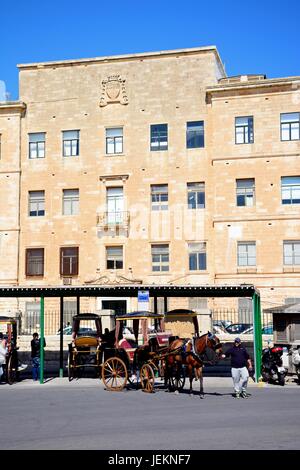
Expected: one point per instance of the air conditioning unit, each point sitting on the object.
(67, 281)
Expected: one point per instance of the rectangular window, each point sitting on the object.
(160, 258)
(159, 197)
(245, 191)
(115, 205)
(290, 190)
(158, 137)
(197, 256)
(291, 253)
(290, 126)
(37, 145)
(36, 203)
(114, 257)
(35, 262)
(70, 201)
(246, 253)
(114, 140)
(196, 195)
(69, 261)
(70, 143)
(194, 134)
(244, 130)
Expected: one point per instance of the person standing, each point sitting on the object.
(240, 365)
(3, 353)
(35, 355)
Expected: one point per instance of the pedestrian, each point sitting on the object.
(3, 353)
(240, 365)
(35, 355)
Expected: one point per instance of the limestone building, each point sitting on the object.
(151, 168)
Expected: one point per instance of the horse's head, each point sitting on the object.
(214, 343)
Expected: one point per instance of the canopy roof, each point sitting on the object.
(139, 315)
(181, 312)
(7, 320)
(287, 308)
(130, 290)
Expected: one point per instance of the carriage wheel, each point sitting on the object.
(114, 374)
(11, 371)
(70, 368)
(178, 382)
(178, 379)
(147, 378)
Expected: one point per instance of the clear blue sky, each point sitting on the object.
(258, 36)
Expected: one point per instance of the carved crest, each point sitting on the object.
(113, 91)
(113, 279)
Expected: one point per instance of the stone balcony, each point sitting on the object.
(113, 224)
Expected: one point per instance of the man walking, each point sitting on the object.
(35, 355)
(240, 364)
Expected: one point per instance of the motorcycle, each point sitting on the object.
(272, 365)
(295, 352)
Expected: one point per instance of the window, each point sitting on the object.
(246, 253)
(197, 256)
(36, 203)
(196, 195)
(194, 134)
(70, 143)
(160, 258)
(244, 130)
(197, 303)
(114, 140)
(114, 257)
(291, 253)
(289, 126)
(37, 145)
(290, 189)
(35, 262)
(159, 197)
(115, 205)
(245, 190)
(159, 137)
(70, 201)
(69, 261)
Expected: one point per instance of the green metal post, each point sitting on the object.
(42, 336)
(257, 335)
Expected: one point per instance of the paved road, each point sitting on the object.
(82, 415)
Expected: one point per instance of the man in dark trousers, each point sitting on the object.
(35, 355)
(240, 364)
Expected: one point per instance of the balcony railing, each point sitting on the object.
(116, 222)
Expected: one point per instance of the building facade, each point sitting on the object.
(151, 168)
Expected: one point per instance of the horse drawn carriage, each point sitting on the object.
(151, 353)
(13, 366)
(127, 360)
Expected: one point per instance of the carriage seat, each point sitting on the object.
(86, 342)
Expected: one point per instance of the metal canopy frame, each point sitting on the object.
(131, 290)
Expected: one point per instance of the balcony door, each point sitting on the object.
(115, 205)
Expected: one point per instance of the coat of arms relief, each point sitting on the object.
(113, 91)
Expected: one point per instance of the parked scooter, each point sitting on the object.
(295, 352)
(272, 365)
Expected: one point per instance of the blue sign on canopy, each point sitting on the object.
(143, 296)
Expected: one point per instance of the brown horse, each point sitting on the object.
(192, 354)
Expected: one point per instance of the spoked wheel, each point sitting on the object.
(11, 371)
(178, 382)
(147, 378)
(114, 374)
(71, 369)
(178, 379)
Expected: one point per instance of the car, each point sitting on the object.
(266, 330)
(218, 330)
(238, 328)
(222, 323)
(82, 331)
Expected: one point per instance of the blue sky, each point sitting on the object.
(252, 37)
